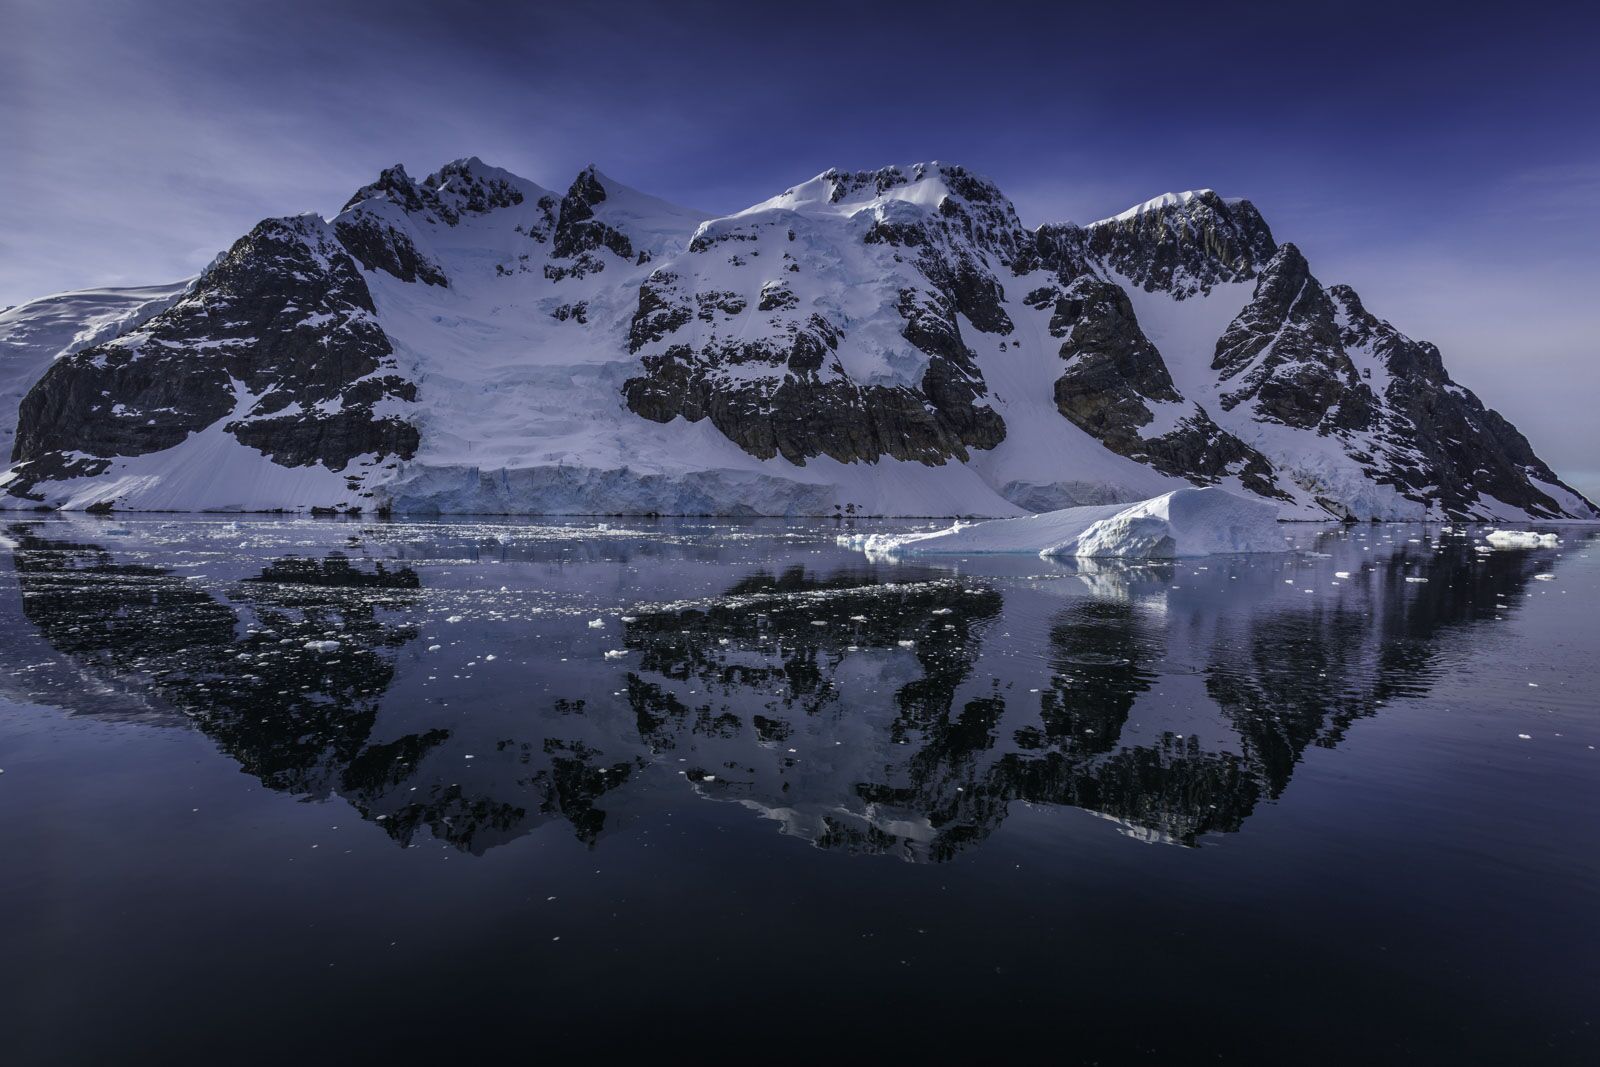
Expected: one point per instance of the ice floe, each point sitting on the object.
(1521, 539)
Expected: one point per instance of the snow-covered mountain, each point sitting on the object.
(887, 342)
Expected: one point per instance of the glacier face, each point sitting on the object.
(887, 342)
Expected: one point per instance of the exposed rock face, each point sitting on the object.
(1436, 440)
(1283, 353)
(1112, 368)
(1184, 244)
(382, 247)
(781, 389)
(578, 231)
(814, 409)
(279, 338)
(1113, 375)
(35, 334)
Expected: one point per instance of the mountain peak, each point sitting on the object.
(924, 185)
(467, 185)
(393, 184)
(599, 211)
(1166, 201)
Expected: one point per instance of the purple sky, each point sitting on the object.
(1443, 160)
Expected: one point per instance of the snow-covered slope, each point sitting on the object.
(888, 342)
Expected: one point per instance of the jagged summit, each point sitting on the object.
(1162, 202)
(922, 185)
(651, 225)
(1183, 243)
(461, 186)
(891, 340)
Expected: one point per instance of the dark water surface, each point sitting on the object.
(300, 791)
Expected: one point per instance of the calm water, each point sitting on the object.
(304, 791)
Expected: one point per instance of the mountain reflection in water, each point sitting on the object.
(897, 709)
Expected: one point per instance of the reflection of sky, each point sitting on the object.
(1445, 166)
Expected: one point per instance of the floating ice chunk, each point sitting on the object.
(616, 653)
(1409, 578)
(322, 646)
(596, 624)
(1185, 522)
(906, 644)
(1341, 574)
(1544, 577)
(1521, 539)
(454, 618)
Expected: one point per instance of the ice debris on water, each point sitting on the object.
(1521, 539)
(596, 624)
(322, 646)
(616, 653)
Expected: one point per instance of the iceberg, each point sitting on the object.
(1521, 539)
(1185, 522)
